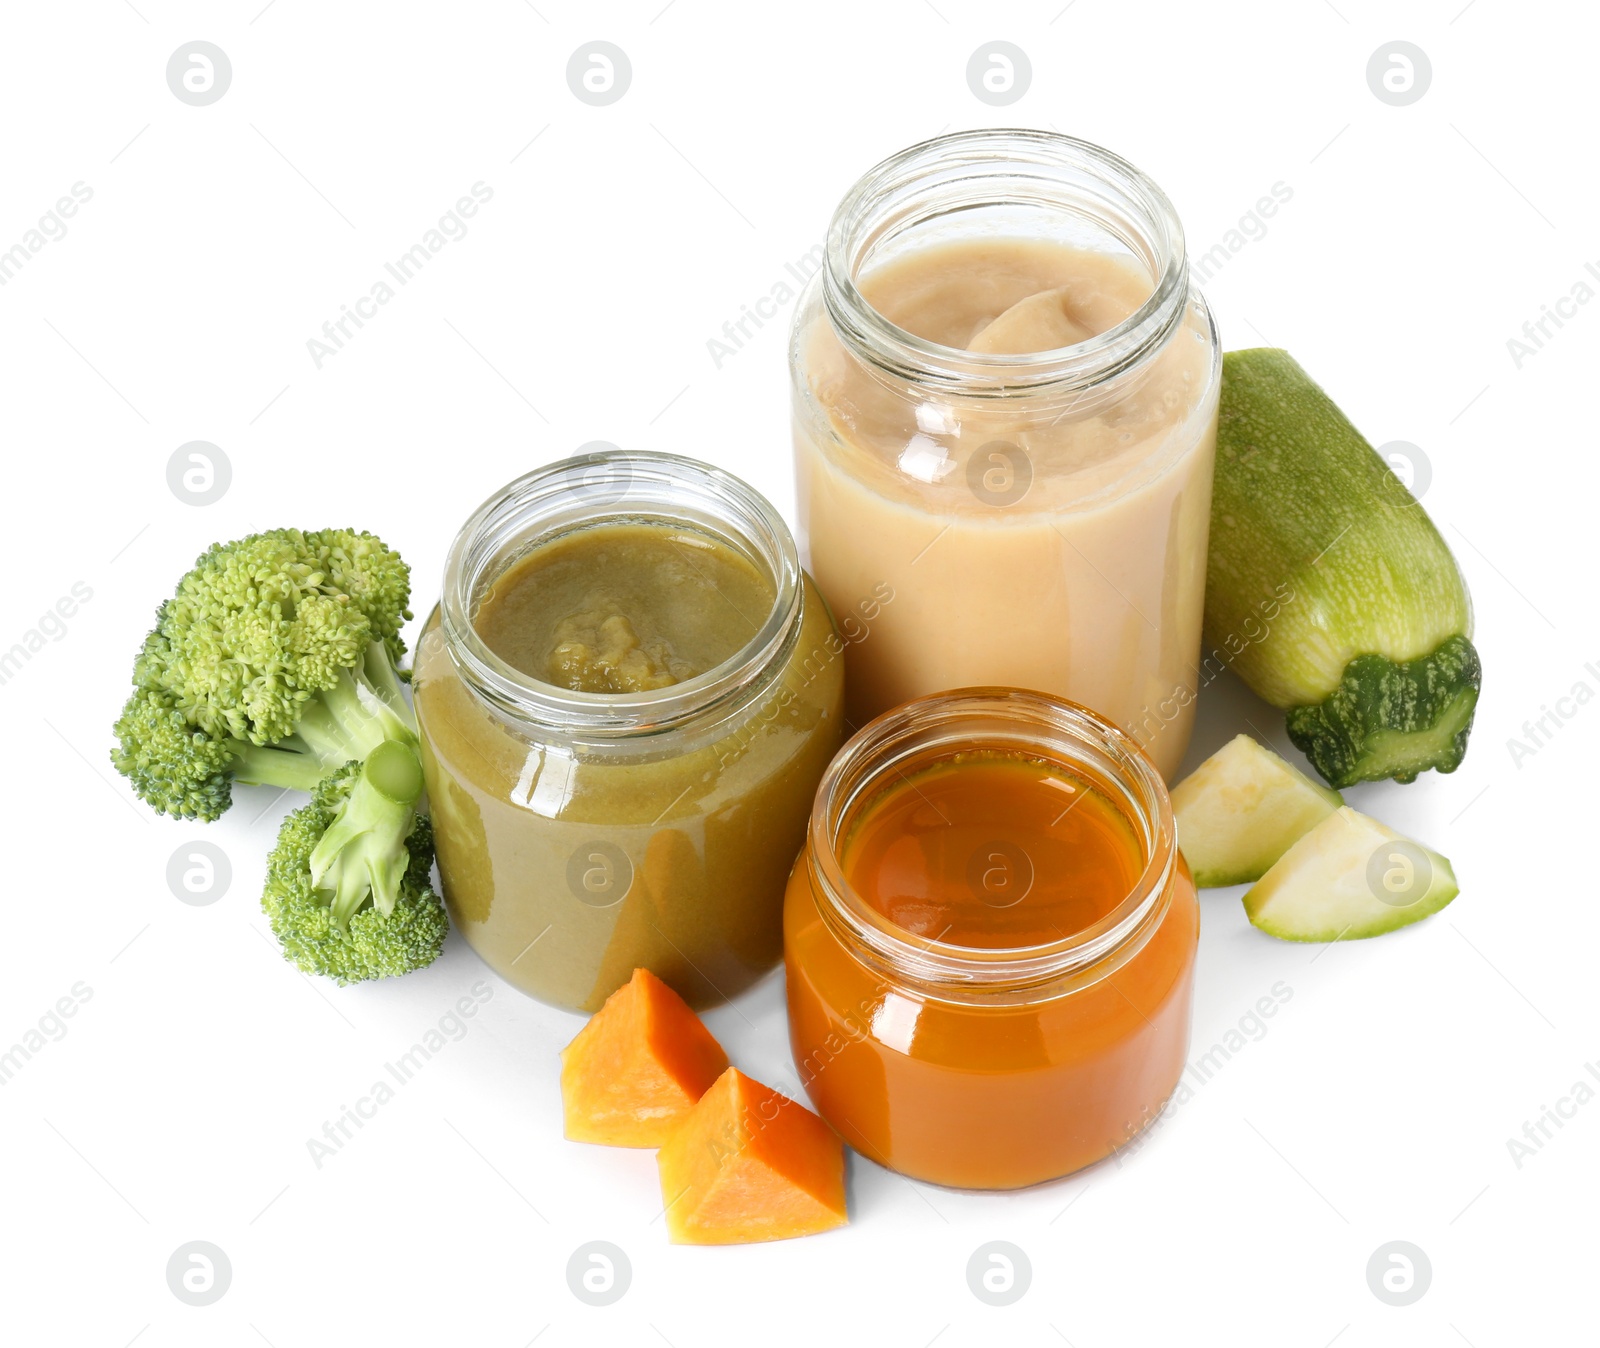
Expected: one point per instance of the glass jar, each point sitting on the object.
(1039, 520)
(581, 835)
(989, 1068)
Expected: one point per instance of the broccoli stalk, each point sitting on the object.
(363, 852)
(279, 765)
(184, 772)
(363, 709)
(180, 770)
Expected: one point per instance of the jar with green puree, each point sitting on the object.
(627, 694)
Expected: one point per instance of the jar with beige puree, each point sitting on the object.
(1005, 398)
(627, 696)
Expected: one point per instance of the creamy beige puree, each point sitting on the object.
(1048, 541)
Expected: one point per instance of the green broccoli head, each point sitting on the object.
(278, 652)
(366, 943)
(378, 582)
(261, 625)
(175, 768)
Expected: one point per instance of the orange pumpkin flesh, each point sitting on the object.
(637, 1068)
(750, 1164)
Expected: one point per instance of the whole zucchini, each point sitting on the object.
(1329, 590)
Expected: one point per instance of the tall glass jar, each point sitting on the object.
(581, 835)
(989, 1067)
(1038, 515)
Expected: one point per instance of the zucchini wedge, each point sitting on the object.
(1350, 878)
(1328, 588)
(1242, 809)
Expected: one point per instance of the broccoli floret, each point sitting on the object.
(274, 662)
(181, 771)
(365, 940)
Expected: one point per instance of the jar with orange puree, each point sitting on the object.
(990, 940)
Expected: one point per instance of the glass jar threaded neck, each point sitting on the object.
(1060, 186)
(617, 486)
(933, 729)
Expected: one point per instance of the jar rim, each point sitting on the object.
(1070, 733)
(1032, 161)
(618, 486)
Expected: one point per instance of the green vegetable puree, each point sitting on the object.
(565, 866)
(623, 608)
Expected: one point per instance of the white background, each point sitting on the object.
(218, 239)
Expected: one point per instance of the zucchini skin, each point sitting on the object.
(1368, 645)
(1392, 720)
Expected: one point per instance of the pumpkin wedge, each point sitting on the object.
(636, 1069)
(749, 1164)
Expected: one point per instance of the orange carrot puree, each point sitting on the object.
(983, 851)
(993, 849)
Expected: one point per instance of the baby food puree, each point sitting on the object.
(990, 941)
(1010, 421)
(992, 850)
(623, 608)
(625, 708)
